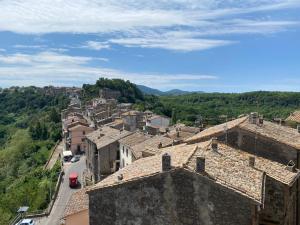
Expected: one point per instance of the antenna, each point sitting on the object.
(226, 130)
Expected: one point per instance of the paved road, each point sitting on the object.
(64, 194)
(55, 155)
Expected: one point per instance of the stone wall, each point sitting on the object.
(260, 146)
(172, 198)
(279, 207)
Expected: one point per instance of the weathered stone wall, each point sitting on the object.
(260, 146)
(107, 157)
(278, 207)
(175, 198)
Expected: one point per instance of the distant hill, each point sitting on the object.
(152, 91)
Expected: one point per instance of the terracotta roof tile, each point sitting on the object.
(295, 116)
(78, 202)
(215, 130)
(228, 167)
(134, 139)
(151, 146)
(106, 135)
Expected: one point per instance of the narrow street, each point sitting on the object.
(64, 194)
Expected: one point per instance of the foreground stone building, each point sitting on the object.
(206, 183)
(261, 138)
(102, 154)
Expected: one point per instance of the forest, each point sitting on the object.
(214, 108)
(29, 128)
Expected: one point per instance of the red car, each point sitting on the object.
(73, 180)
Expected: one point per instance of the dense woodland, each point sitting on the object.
(214, 108)
(29, 127)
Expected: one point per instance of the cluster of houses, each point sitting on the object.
(145, 171)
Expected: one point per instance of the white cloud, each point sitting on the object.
(29, 46)
(59, 69)
(127, 22)
(183, 44)
(96, 45)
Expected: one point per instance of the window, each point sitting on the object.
(126, 152)
(118, 155)
(83, 132)
(123, 149)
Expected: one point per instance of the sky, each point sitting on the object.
(193, 45)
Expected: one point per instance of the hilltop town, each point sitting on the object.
(114, 155)
(136, 166)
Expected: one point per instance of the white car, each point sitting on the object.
(75, 158)
(26, 222)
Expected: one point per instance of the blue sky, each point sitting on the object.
(204, 45)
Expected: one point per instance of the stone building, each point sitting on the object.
(102, 154)
(76, 137)
(149, 147)
(179, 132)
(261, 138)
(127, 144)
(133, 120)
(207, 183)
(109, 93)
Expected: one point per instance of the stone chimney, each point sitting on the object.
(177, 134)
(159, 145)
(261, 121)
(214, 144)
(291, 166)
(200, 164)
(166, 162)
(251, 161)
(253, 118)
(120, 177)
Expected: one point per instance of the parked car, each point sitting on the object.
(73, 180)
(75, 158)
(26, 222)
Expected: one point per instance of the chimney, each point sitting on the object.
(159, 145)
(261, 121)
(214, 144)
(200, 164)
(251, 161)
(120, 177)
(291, 166)
(166, 162)
(253, 117)
(177, 134)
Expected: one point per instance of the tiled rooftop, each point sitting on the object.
(106, 135)
(78, 202)
(134, 139)
(228, 167)
(151, 145)
(295, 116)
(215, 130)
(278, 133)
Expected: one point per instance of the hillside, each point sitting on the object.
(29, 127)
(129, 91)
(211, 107)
